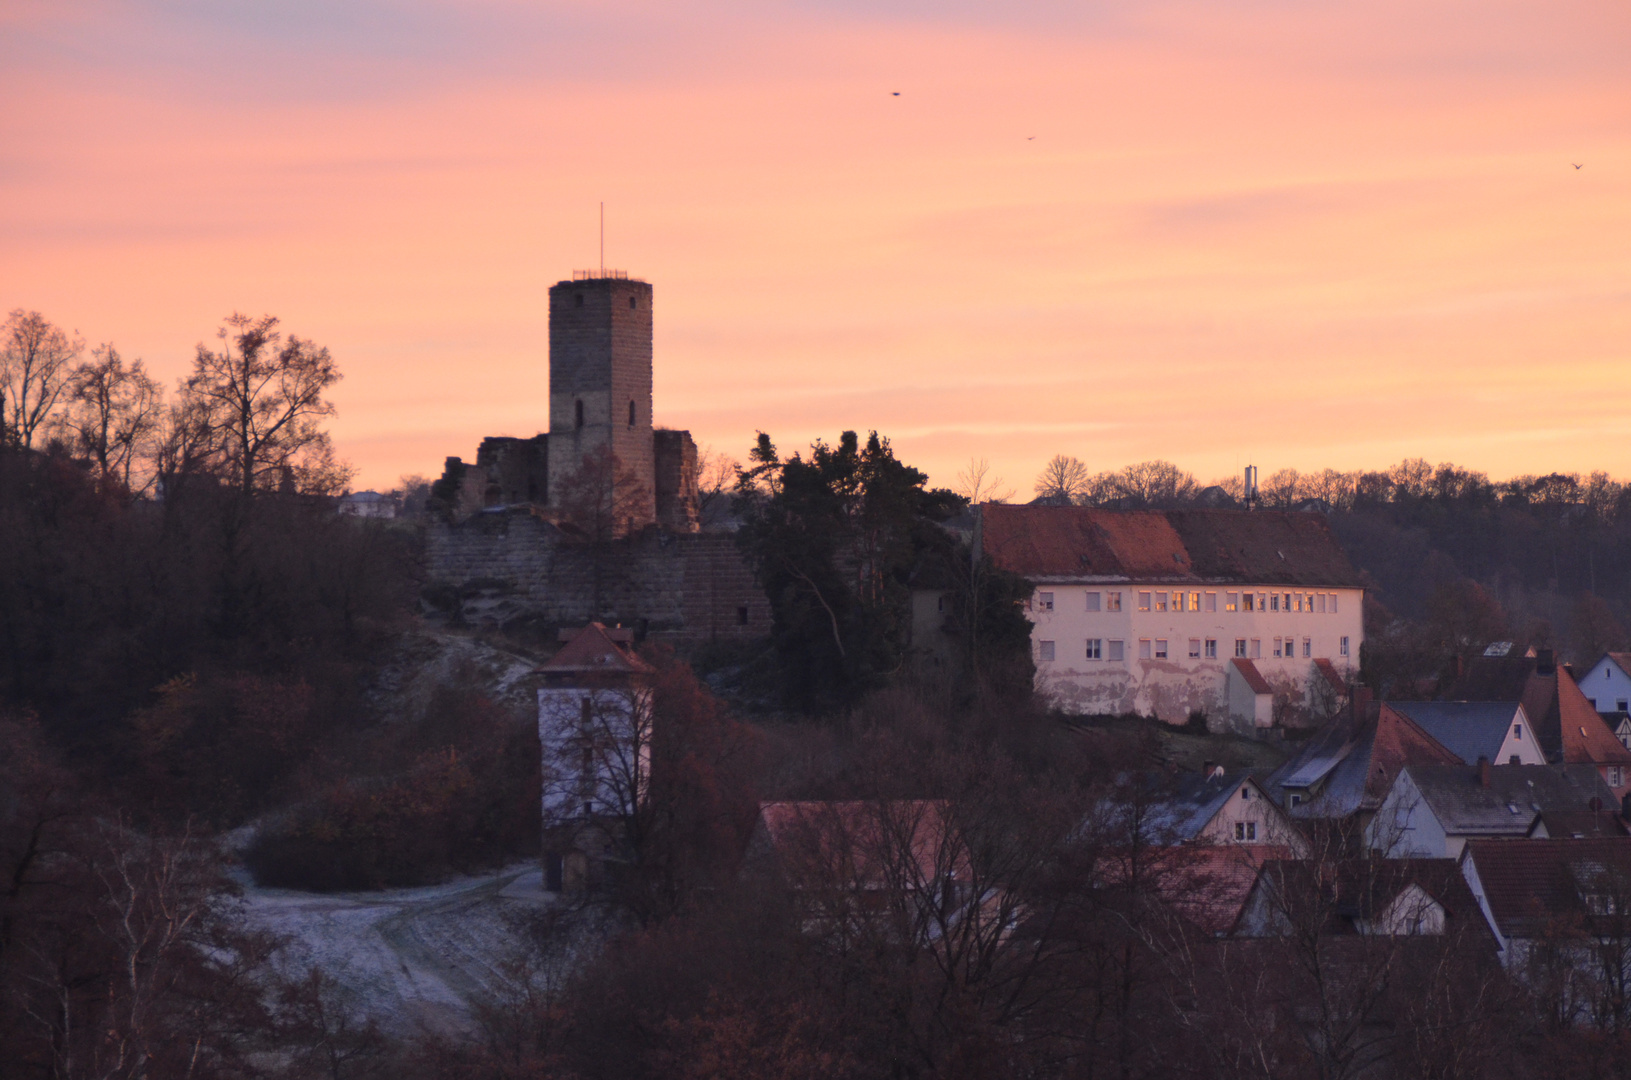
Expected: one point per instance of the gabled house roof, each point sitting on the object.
(593, 650)
(1352, 892)
(1195, 799)
(1577, 824)
(1541, 886)
(1076, 543)
(1621, 660)
(1565, 721)
(1349, 764)
(1515, 795)
(1470, 729)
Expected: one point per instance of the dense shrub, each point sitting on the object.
(410, 804)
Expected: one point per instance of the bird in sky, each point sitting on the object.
(1576, 166)
(896, 93)
(1028, 138)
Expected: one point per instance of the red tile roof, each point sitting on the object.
(1261, 547)
(592, 650)
(1253, 677)
(1586, 736)
(1564, 720)
(1536, 886)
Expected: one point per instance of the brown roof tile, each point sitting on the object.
(1263, 547)
(1533, 885)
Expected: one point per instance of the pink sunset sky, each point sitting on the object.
(1306, 234)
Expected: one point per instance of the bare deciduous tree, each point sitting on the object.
(1282, 490)
(34, 359)
(977, 485)
(264, 400)
(113, 412)
(714, 481)
(1063, 479)
(1151, 484)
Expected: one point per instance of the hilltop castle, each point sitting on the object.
(600, 403)
(513, 546)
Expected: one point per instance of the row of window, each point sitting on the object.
(1199, 648)
(1172, 600)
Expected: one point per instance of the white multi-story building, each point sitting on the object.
(1169, 613)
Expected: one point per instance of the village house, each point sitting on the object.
(1363, 897)
(1218, 807)
(1432, 811)
(1175, 612)
(1495, 731)
(1608, 683)
(1561, 914)
(594, 730)
(1344, 772)
(366, 504)
(1565, 721)
(1204, 836)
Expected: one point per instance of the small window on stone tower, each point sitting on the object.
(632, 304)
(578, 409)
(631, 414)
(741, 616)
(577, 299)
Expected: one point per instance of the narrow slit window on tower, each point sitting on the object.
(578, 413)
(631, 414)
(577, 299)
(632, 304)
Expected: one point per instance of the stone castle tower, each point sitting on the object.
(600, 396)
(600, 379)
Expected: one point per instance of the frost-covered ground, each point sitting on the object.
(414, 959)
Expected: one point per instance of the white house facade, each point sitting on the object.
(594, 731)
(1608, 683)
(1158, 612)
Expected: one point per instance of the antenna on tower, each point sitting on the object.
(602, 239)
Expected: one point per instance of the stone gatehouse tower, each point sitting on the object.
(600, 398)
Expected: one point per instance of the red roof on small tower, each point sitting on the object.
(593, 650)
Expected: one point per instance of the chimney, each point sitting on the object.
(1545, 662)
(1249, 488)
(1483, 771)
(1360, 701)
